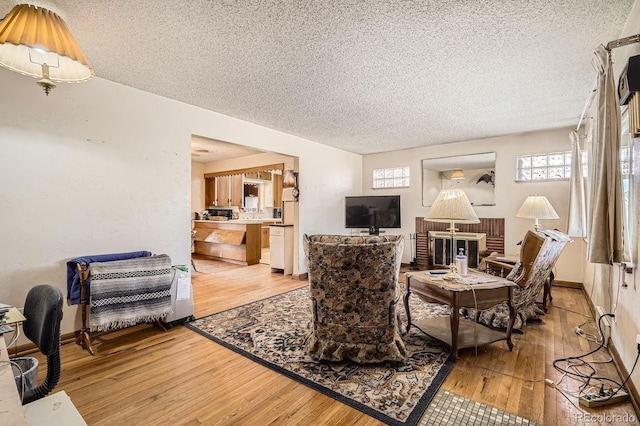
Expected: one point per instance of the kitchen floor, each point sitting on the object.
(265, 258)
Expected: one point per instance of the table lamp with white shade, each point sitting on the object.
(537, 207)
(452, 206)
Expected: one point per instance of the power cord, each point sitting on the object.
(15, 339)
(587, 378)
(573, 312)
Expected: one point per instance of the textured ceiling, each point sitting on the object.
(204, 150)
(364, 76)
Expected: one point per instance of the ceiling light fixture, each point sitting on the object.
(457, 174)
(36, 42)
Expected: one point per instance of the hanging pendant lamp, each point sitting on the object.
(36, 42)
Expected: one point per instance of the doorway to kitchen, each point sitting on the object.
(220, 170)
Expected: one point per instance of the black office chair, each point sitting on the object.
(43, 311)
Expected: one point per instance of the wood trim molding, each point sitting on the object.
(29, 348)
(570, 284)
(634, 396)
(266, 168)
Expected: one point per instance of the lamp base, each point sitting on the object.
(452, 275)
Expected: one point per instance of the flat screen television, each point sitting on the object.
(372, 212)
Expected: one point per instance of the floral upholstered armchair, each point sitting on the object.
(353, 287)
(538, 254)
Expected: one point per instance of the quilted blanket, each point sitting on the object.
(128, 292)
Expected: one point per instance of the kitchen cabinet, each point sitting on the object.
(265, 237)
(222, 191)
(281, 248)
(266, 232)
(237, 191)
(229, 191)
(209, 192)
(258, 175)
(277, 190)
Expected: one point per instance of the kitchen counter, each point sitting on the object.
(236, 241)
(241, 221)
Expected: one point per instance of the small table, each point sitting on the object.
(13, 318)
(460, 333)
(11, 412)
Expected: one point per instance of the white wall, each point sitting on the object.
(100, 168)
(197, 187)
(509, 194)
(603, 283)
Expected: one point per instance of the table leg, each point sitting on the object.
(455, 325)
(547, 292)
(406, 304)
(512, 319)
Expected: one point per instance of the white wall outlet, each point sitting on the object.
(638, 339)
(606, 325)
(628, 267)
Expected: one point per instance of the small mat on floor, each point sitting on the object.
(273, 332)
(448, 409)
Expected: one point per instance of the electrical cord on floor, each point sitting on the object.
(628, 377)
(578, 361)
(563, 392)
(589, 336)
(573, 312)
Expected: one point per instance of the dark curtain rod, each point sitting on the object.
(623, 42)
(611, 45)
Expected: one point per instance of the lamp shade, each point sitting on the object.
(537, 207)
(31, 37)
(452, 205)
(457, 174)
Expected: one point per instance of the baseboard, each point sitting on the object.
(622, 371)
(617, 361)
(300, 277)
(29, 348)
(569, 284)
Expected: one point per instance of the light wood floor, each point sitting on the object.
(144, 376)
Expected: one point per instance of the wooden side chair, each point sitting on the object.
(538, 255)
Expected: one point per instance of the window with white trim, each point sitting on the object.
(627, 166)
(397, 177)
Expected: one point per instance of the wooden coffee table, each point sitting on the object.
(456, 332)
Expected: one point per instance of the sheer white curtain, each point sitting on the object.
(634, 211)
(605, 224)
(577, 215)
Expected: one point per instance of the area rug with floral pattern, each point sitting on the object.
(273, 333)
